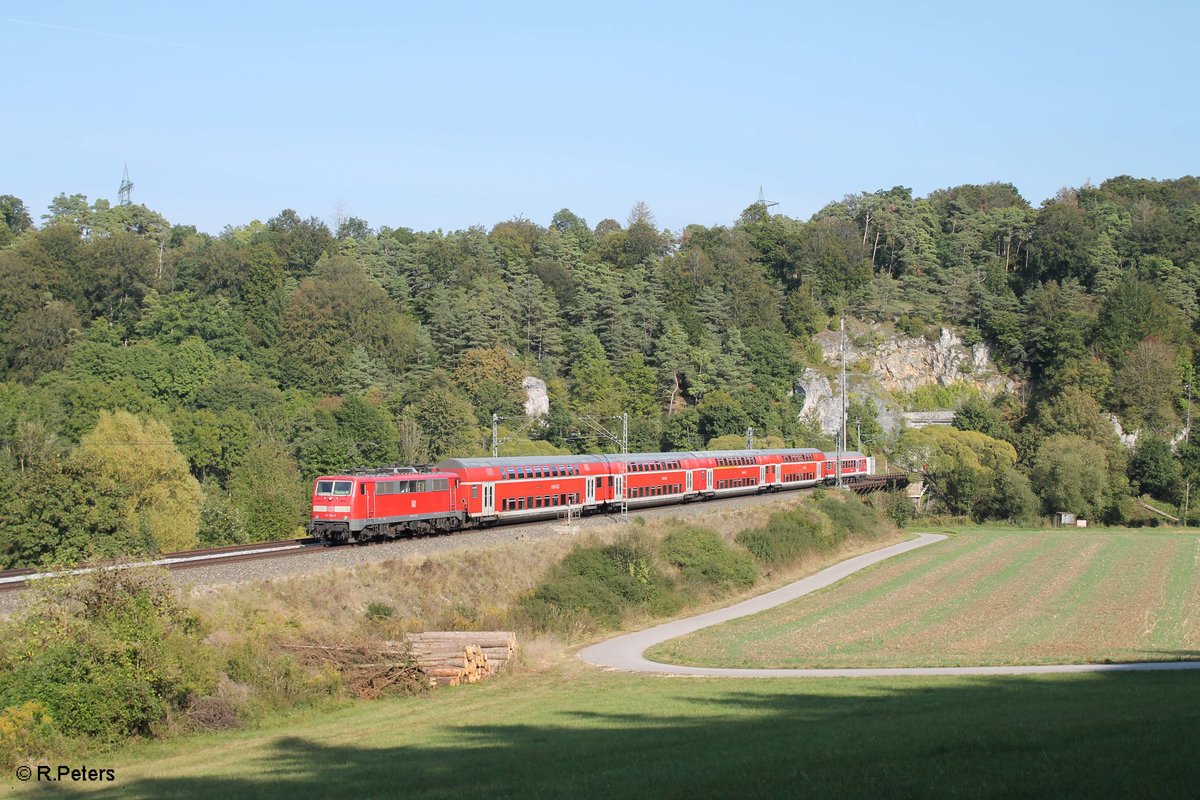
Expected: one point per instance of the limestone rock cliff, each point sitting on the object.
(902, 363)
(537, 402)
(879, 368)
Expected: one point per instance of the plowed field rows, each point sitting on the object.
(982, 598)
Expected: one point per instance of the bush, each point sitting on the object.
(26, 731)
(109, 655)
(849, 515)
(380, 611)
(789, 536)
(703, 558)
(895, 506)
(599, 583)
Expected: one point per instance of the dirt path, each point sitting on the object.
(625, 652)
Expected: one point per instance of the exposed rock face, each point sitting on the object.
(900, 364)
(821, 404)
(537, 402)
(823, 401)
(904, 364)
(1128, 439)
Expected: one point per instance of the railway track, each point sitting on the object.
(16, 579)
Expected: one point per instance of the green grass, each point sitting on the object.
(572, 731)
(983, 597)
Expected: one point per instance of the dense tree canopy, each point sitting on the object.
(280, 349)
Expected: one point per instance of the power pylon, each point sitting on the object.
(125, 193)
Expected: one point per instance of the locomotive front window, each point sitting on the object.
(324, 487)
(339, 487)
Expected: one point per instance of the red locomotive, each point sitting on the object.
(465, 492)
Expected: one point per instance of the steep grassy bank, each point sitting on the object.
(226, 659)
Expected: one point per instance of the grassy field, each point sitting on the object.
(559, 728)
(568, 730)
(982, 597)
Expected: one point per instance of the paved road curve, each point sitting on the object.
(625, 652)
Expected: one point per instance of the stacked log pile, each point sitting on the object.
(452, 658)
(424, 660)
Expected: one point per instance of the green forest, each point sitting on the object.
(165, 388)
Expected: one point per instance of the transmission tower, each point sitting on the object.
(764, 202)
(125, 193)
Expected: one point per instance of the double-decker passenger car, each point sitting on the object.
(463, 492)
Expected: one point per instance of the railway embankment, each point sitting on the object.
(225, 643)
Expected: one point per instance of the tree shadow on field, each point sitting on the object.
(1094, 735)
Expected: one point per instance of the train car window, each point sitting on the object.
(418, 486)
(441, 485)
(546, 501)
(324, 487)
(362, 488)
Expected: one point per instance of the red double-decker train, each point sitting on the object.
(471, 492)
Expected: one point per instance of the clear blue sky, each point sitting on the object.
(441, 115)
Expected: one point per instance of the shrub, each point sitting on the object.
(26, 731)
(703, 558)
(275, 680)
(380, 611)
(849, 515)
(599, 583)
(109, 655)
(895, 506)
(789, 536)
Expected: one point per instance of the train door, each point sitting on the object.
(619, 488)
(368, 489)
(489, 500)
(589, 491)
(762, 476)
(708, 480)
(690, 483)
